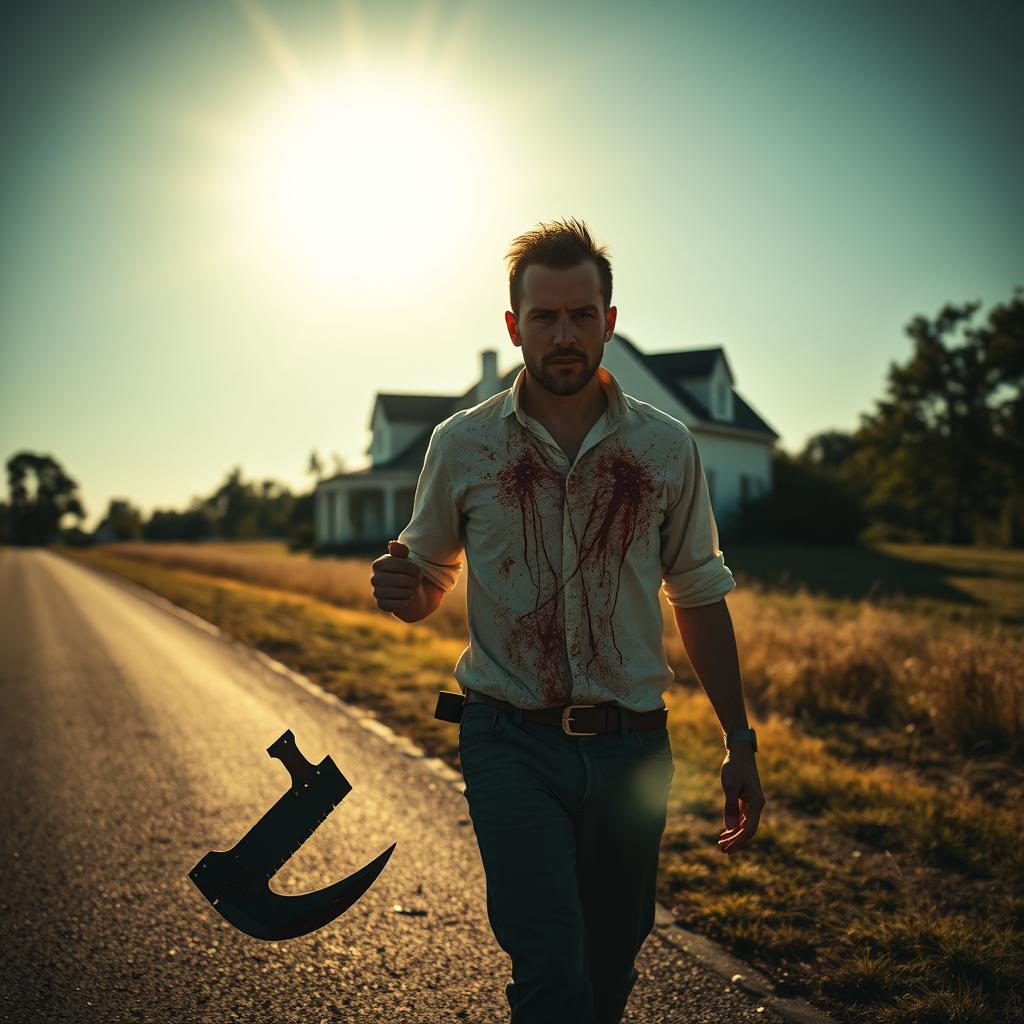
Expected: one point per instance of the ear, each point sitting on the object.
(513, 328)
(609, 322)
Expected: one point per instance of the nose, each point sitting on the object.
(565, 333)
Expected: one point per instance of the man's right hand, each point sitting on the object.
(395, 579)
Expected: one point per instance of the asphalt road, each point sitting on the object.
(132, 742)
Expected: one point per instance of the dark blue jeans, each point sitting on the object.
(569, 830)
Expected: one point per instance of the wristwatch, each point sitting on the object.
(739, 735)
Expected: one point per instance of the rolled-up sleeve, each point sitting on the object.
(434, 534)
(693, 568)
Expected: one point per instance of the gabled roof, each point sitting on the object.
(410, 457)
(672, 367)
(744, 417)
(430, 410)
(413, 408)
(694, 362)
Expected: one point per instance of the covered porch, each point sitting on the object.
(363, 508)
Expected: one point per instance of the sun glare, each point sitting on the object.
(361, 181)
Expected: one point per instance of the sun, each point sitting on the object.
(364, 178)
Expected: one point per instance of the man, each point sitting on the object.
(573, 503)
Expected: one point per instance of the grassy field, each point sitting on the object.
(951, 584)
(886, 882)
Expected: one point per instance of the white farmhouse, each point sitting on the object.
(367, 507)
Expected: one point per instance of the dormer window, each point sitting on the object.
(723, 400)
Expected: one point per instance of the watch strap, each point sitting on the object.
(739, 735)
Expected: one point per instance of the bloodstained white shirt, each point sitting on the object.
(566, 559)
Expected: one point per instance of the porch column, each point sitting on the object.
(344, 517)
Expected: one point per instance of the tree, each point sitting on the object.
(941, 454)
(314, 465)
(274, 509)
(806, 505)
(41, 495)
(828, 450)
(196, 523)
(234, 507)
(300, 525)
(236, 510)
(124, 519)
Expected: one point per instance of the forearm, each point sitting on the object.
(710, 643)
(424, 602)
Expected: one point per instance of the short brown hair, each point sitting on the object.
(559, 243)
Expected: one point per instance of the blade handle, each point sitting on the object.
(285, 750)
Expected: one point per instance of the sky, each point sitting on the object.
(226, 226)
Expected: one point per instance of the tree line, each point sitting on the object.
(940, 459)
(238, 509)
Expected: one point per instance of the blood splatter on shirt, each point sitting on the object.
(566, 560)
(528, 487)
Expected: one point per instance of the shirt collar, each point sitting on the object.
(616, 398)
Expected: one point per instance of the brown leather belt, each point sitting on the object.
(579, 719)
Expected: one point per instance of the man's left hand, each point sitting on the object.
(744, 800)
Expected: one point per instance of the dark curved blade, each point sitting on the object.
(258, 911)
(236, 882)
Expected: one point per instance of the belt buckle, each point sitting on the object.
(566, 728)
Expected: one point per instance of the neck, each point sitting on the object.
(564, 412)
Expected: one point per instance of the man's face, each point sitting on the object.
(561, 325)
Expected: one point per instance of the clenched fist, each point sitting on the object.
(395, 579)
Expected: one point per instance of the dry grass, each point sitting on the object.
(967, 585)
(344, 582)
(958, 687)
(841, 665)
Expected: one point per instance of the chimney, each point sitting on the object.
(488, 386)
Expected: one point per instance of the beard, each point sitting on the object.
(562, 380)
